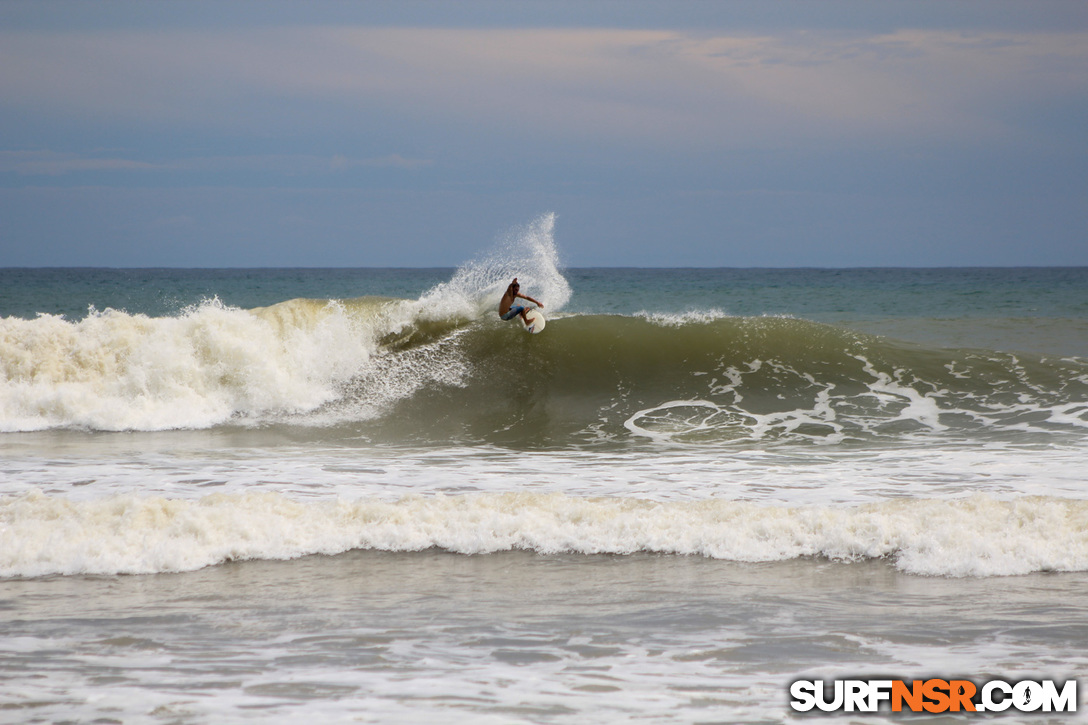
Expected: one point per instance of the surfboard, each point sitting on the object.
(536, 321)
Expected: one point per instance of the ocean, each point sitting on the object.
(356, 495)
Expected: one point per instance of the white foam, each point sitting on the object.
(696, 421)
(118, 371)
(974, 536)
(389, 378)
(682, 319)
(920, 408)
(832, 413)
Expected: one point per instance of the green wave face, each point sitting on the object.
(613, 379)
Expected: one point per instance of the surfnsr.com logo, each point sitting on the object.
(933, 695)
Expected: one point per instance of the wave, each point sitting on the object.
(711, 381)
(442, 368)
(975, 536)
(400, 372)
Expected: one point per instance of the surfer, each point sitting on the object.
(508, 310)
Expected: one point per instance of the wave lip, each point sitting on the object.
(974, 536)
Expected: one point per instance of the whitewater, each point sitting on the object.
(358, 493)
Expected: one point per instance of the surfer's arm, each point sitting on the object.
(538, 303)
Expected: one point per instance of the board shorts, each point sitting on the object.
(513, 312)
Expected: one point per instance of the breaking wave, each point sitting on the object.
(403, 374)
(974, 536)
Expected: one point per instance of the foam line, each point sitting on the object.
(974, 536)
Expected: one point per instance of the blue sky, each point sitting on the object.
(735, 134)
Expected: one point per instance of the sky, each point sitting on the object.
(662, 134)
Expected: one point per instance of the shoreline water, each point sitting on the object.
(513, 637)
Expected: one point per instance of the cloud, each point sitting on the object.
(395, 161)
(666, 87)
(293, 163)
(52, 163)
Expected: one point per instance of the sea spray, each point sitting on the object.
(527, 252)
